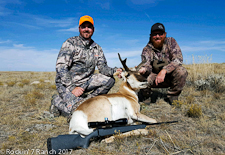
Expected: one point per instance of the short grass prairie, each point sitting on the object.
(25, 124)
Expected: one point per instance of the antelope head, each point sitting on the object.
(134, 78)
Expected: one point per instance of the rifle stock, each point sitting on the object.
(65, 143)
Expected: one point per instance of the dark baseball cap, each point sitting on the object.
(158, 27)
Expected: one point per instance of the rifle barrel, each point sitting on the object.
(158, 123)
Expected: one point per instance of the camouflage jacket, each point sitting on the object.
(170, 50)
(77, 60)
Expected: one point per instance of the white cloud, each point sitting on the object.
(212, 42)
(123, 54)
(4, 11)
(20, 24)
(20, 46)
(105, 5)
(72, 29)
(204, 46)
(5, 42)
(21, 58)
(36, 22)
(54, 22)
(131, 41)
(142, 5)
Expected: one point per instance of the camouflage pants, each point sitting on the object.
(98, 84)
(175, 81)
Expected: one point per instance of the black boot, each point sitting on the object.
(145, 96)
(171, 99)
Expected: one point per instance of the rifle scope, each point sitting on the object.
(122, 121)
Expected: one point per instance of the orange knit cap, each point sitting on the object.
(86, 18)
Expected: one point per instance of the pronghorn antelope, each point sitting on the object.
(123, 104)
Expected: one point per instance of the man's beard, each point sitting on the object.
(158, 45)
(87, 35)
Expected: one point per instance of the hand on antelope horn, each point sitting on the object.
(142, 70)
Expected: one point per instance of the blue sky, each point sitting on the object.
(32, 31)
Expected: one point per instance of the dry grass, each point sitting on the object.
(201, 127)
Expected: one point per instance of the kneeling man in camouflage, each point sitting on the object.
(163, 68)
(75, 67)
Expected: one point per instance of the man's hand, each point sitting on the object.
(160, 77)
(119, 70)
(142, 70)
(78, 91)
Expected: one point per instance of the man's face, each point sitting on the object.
(86, 30)
(157, 38)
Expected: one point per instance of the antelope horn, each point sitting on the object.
(143, 61)
(124, 63)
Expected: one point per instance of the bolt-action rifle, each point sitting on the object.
(65, 143)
